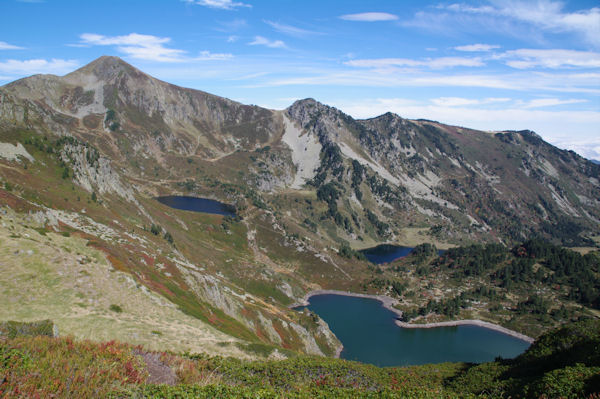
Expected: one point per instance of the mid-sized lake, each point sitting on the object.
(369, 334)
(197, 204)
(386, 253)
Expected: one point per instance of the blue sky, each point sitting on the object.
(491, 65)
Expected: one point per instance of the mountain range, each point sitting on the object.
(83, 157)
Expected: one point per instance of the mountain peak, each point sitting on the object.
(107, 67)
(108, 60)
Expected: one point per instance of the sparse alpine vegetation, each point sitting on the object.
(562, 363)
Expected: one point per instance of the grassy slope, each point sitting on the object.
(63, 278)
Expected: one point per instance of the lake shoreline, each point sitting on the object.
(388, 303)
(478, 323)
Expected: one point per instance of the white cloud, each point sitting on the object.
(208, 56)
(263, 41)
(550, 15)
(144, 47)
(6, 46)
(558, 58)
(589, 148)
(291, 30)
(546, 15)
(391, 77)
(477, 47)
(460, 101)
(370, 17)
(219, 4)
(232, 39)
(433, 63)
(28, 67)
(551, 102)
(148, 47)
(232, 26)
(453, 101)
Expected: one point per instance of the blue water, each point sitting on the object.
(197, 205)
(369, 334)
(386, 253)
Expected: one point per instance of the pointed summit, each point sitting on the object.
(107, 67)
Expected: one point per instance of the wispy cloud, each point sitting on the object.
(550, 15)
(148, 47)
(477, 47)
(6, 46)
(219, 4)
(28, 67)
(263, 41)
(144, 47)
(433, 63)
(393, 77)
(502, 101)
(546, 15)
(551, 102)
(589, 148)
(460, 101)
(370, 17)
(232, 26)
(208, 56)
(557, 58)
(291, 30)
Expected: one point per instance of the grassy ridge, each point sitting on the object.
(562, 363)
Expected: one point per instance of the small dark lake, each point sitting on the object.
(369, 334)
(385, 253)
(197, 205)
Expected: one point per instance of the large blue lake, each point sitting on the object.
(197, 205)
(369, 334)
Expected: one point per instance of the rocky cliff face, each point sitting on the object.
(469, 183)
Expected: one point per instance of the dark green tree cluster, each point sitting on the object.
(473, 260)
(349, 253)
(382, 189)
(111, 120)
(358, 171)
(423, 252)
(380, 227)
(568, 267)
(517, 271)
(331, 161)
(535, 304)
